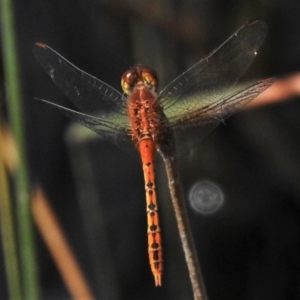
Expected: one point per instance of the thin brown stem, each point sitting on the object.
(60, 250)
(184, 228)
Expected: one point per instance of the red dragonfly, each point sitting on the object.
(169, 121)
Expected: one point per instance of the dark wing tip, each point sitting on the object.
(258, 23)
(41, 45)
(255, 21)
(41, 100)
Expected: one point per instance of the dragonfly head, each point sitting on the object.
(139, 75)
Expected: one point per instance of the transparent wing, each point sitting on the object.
(209, 81)
(220, 110)
(191, 129)
(104, 127)
(90, 95)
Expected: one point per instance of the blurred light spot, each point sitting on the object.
(205, 197)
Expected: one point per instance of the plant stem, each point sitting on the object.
(8, 233)
(14, 103)
(184, 228)
(57, 244)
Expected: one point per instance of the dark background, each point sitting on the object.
(249, 248)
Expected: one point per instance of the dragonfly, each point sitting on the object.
(167, 122)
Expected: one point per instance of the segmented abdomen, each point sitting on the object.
(147, 150)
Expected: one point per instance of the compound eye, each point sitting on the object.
(128, 81)
(149, 78)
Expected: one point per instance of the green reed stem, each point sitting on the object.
(8, 233)
(14, 104)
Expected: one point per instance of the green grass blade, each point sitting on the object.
(14, 104)
(8, 233)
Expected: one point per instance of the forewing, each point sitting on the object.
(209, 81)
(90, 95)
